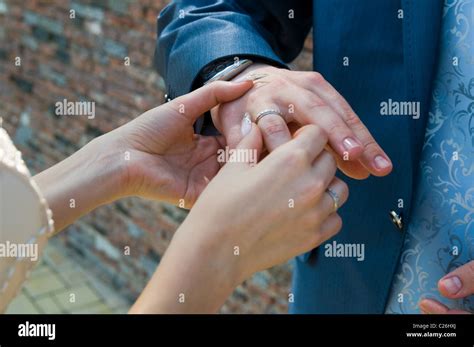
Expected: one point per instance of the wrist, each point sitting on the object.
(111, 163)
(253, 69)
(104, 162)
(78, 184)
(208, 257)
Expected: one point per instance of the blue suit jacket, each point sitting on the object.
(390, 58)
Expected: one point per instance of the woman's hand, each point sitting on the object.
(249, 218)
(166, 160)
(156, 155)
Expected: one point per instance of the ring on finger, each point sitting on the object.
(267, 112)
(335, 198)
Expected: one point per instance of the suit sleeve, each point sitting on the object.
(194, 33)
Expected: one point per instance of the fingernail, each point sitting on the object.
(381, 163)
(349, 143)
(246, 124)
(452, 284)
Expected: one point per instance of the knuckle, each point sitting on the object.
(329, 158)
(318, 186)
(311, 220)
(314, 240)
(273, 125)
(338, 223)
(317, 131)
(353, 121)
(279, 83)
(311, 191)
(314, 131)
(315, 187)
(216, 86)
(253, 96)
(316, 78)
(297, 158)
(371, 147)
(317, 105)
(338, 128)
(293, 162)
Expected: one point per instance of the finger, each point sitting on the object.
(353, 169)
(324, 168)
(227, 118)
(458, 283)
(249, 148)
(330, 227)
(194, 104)
(311, 139)
(314, 110)
(340, 189)
(373, 157)
(275, 131)
(431, 306)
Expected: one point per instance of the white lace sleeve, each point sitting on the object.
(25, 221)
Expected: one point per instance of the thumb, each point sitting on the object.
(248, 150)
(459, 283)
(194, 104)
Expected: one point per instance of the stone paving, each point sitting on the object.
(61, 285)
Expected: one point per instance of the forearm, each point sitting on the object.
(193, 276)
(78, 184)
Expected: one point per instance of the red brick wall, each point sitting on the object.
(83, 59)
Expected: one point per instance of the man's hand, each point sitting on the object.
(303, 98)
(455, 285)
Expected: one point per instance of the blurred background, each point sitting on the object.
(47, 56)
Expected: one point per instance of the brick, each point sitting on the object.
(30, 42)
(115, 48)
(63, 56)
(48, 73)
(89, 12)
(103, 245)
(120, 7)
(42, 22)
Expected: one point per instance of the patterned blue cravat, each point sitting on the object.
(440, 236)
